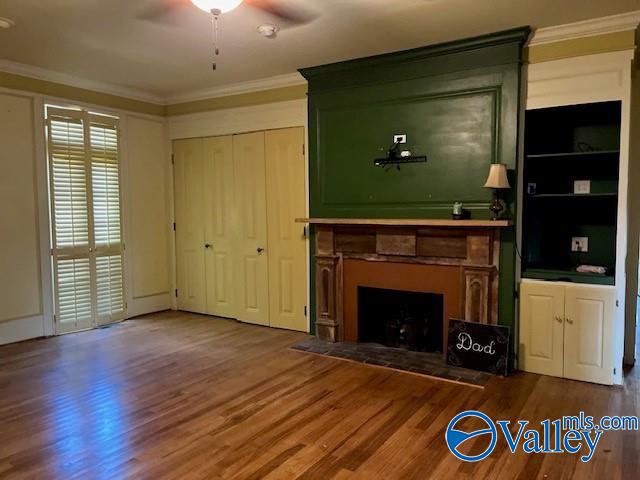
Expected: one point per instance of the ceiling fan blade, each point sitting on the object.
(287, 14)
(160, 10)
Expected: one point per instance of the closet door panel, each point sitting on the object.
(219, 221)
(251, 266)
(286, 201)
(189, 202)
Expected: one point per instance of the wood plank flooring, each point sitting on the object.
(181, 396)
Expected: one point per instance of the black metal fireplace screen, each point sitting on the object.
(401, 319)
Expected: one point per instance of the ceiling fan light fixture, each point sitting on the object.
(6, 22)
(222, 6)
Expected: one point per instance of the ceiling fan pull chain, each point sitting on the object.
(214, 27)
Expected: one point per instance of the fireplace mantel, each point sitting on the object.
(400, 222)
(468, 250)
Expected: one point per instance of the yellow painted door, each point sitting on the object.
(589, 312)
(286, 201)
(188, 161)
(251, 268)
(541, 328)
(219, 221)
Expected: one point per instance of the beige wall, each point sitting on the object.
(20, 288)
(147, 184)
(26, 306)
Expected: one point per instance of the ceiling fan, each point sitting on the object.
(160, 9)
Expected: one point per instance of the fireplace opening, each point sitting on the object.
(401, 319)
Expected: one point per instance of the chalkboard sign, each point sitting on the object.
(478, 346)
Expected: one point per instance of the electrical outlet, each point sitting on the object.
(399, 139)
(579, 244)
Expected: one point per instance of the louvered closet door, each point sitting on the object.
(86, 232)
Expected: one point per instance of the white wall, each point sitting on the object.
(26, 303)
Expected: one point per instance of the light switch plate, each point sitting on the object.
(582, 186)
(400, 139)
(579, 244)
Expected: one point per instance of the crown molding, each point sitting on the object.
(587, 28)
(47, 75)
(279, 81)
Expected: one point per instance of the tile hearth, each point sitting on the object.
(421, 363)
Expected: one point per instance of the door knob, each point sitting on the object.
(207, 245)
(259, 250)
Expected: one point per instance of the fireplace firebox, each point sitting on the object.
(400, 319)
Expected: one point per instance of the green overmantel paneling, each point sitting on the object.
(458, 103)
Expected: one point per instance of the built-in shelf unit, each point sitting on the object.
(571, 170)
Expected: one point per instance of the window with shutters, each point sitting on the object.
(87, 246)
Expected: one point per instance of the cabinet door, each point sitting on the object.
(251, 267)
(589, 315)
(189, 201)
(286, 201)
(541, 328)
(219, 215)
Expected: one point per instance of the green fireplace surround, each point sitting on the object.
(457, 102)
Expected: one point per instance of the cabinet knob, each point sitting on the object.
(259, 250)
(569, 321)
(207, 245)
(558, 319)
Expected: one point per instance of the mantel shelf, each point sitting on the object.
(408, 222)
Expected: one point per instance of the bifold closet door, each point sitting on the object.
(188, 158)
(251, 271)
(219, 224)
(286, 201)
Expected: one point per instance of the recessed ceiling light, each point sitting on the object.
(268, 30)
(6, 22)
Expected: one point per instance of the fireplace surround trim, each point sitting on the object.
(473, 246)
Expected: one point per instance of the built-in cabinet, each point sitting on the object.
(566, 330)
(240, 253)
(576, 191)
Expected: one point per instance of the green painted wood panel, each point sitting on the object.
(458, 103)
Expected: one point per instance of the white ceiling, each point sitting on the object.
(104, 41)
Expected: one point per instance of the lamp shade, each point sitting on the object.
(222, 5)
(497, 176)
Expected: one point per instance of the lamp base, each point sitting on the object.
(496, 206)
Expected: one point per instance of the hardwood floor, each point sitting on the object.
(176, 395)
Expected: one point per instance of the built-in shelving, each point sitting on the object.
(575, 154)
(576, 195)
(564, 145)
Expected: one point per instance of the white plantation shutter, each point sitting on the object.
(105, 180)
(110, 294)
(74, 292)
(86, 224)
(67, 158)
